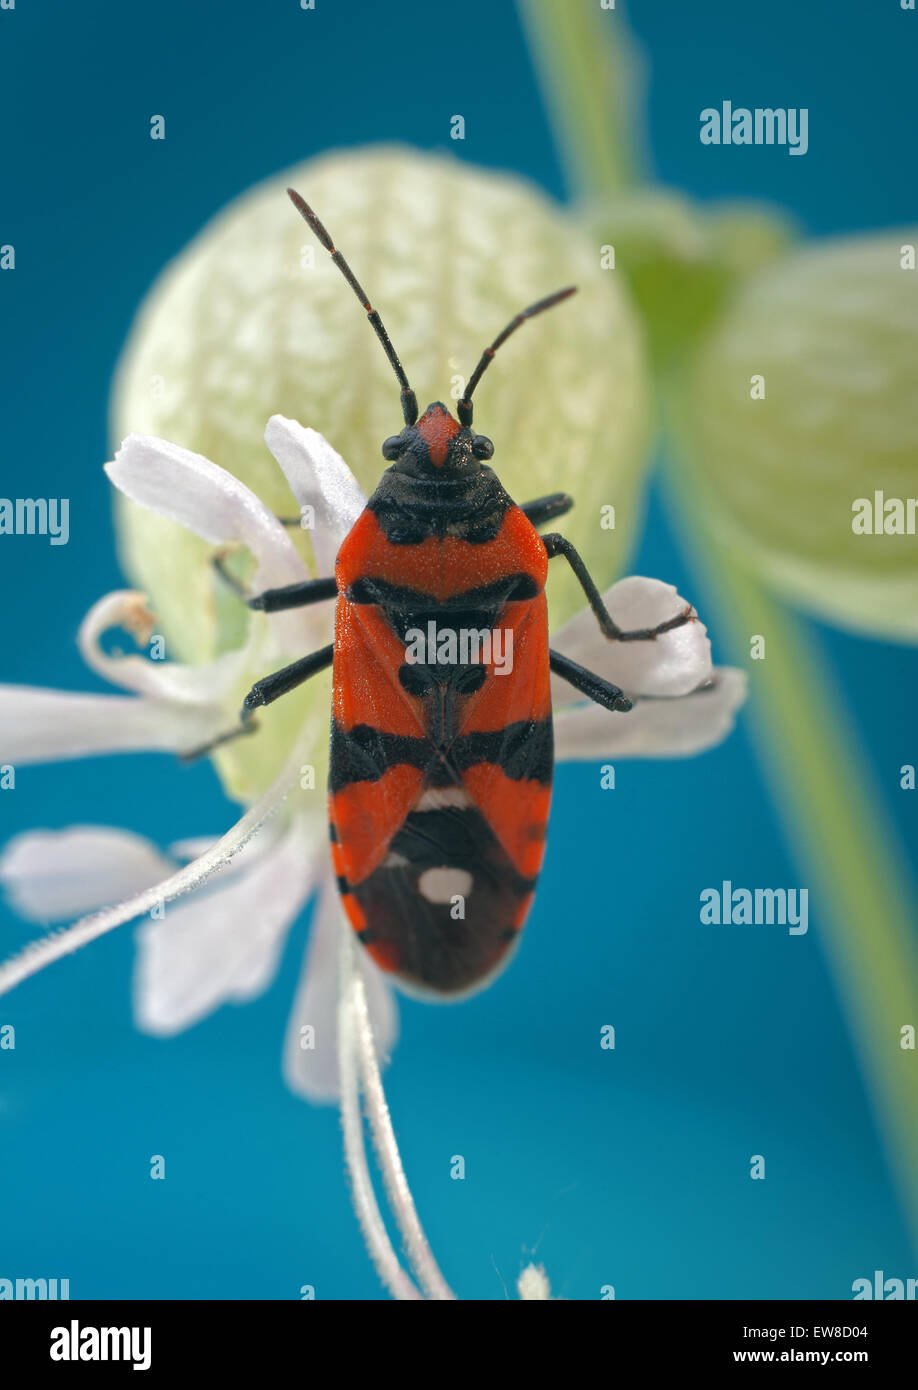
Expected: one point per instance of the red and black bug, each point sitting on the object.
(440, 770)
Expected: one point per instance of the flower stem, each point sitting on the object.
(358, 1066)
(369, 1218)
(811, 756)
(589, 86)
(836, 825)
(63, 941)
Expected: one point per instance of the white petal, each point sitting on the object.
(672, 664)
(224, 943)
(206, 684)
(53, 874)
(195, 846)
(37, 955)
(313, 1071)
(533, 1283)
(654, 728)
(207, 500)
(318, 477)
(39, 725)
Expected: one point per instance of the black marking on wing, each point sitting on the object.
(363, 754)
(523, 751)
(431, 948)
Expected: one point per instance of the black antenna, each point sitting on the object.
(409, 400)
(464, 409)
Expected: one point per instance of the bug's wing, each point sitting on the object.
(379, 747)
(436, 861)
(443, 911)
(504, 747)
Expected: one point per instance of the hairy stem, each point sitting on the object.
(377, 1240)
(38, 955)
(359, 1068)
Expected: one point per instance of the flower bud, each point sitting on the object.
(801, 415)
(253, 319)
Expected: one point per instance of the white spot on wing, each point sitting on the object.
(394, 861)
(443, 884)
(435, 798)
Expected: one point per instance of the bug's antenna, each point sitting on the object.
(464, 409)
(409, 400)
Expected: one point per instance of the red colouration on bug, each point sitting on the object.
(442, 566)
(440, 762)
(437, 427)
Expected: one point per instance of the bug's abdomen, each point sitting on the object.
(437, 841)
(444, 908)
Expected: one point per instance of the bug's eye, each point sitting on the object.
(392, 447)
(482, 447)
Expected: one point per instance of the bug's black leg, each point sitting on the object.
(265, 692)
(544, 509)
(271, 688)
(246, 726)
(558, 545)
(294, 595)
(588, 683)
(275, 600)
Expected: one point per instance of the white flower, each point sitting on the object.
(224, 944)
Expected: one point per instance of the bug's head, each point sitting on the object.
(437, 446)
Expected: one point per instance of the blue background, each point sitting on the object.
(628, 1167)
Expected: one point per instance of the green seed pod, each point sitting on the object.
(681, 259)
(802, 406)
(253, 319)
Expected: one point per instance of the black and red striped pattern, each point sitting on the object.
(440, 775)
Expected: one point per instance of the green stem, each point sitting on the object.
(834, 816)
(589, 87)
(835, 821)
